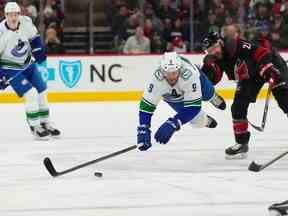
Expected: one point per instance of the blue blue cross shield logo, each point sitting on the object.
(70, 72)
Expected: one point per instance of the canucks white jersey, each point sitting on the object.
(187, 89)
(15, 49)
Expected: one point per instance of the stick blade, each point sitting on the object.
(254, 167)
(49, 166)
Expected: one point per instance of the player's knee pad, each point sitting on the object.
(20, 84)
(207, 88)
(200, 120)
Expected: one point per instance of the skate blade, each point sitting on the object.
(239, 156)
(55, 136)
(42, 138)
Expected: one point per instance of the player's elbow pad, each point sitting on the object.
(38, 50)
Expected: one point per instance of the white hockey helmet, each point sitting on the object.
(170, 62)
(12, 7)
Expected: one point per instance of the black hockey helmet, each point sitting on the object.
(210, 39)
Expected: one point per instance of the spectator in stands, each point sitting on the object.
(166, 11)
(279, 33)
(178, 45)
(52, 42)
(30, 9)
(131, 24)
(168, 27)
(148, 29)
(149, 13)
(262, 36)
(211, 24)
(53, 14)
(262, 11)
(157, 43)
(118, 23)
(229, 20)
(137, 43)
(179, 30)
(112, 8)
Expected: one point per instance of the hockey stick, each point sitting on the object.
(258, 167)
(51, 169)
(265, 112)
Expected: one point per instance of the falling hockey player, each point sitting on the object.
(251, 66)
(20, 48)
(183, 86)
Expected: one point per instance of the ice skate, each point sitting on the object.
(40, 133)
(211, 122)
(237, 151)
(55, 133)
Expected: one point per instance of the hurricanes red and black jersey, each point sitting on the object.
(242, 60)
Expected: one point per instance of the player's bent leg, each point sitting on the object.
(203, 120)
(37, 81)
(279, 209)
(33, 115)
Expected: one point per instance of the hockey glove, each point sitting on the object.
(271, 75)
(143, 137)
(3, 83)
(166, 130)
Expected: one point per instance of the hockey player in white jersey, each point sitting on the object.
(183, 86)
(20, 49)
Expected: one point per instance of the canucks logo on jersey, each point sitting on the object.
(21, 49)
(70, 72)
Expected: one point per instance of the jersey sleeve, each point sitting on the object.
(37, 47)
(30, 28)
(151, 97)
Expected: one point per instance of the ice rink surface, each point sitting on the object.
(188, 176)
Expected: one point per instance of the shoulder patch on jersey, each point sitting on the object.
(159, 76)
(186, 74)
(26, 19)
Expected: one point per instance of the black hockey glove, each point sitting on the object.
(211, 69)
(271, 75)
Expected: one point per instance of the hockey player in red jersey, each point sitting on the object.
(251, 66)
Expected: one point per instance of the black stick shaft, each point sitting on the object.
(97, 160)
(275, 159)
(265, 112)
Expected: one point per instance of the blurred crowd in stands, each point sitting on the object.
(161, 25)
(52, 20)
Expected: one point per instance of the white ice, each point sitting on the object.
(188, 176)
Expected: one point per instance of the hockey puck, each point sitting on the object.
(98, 174)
